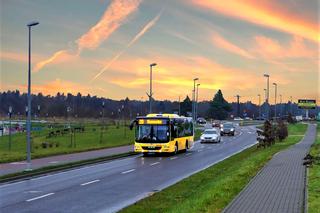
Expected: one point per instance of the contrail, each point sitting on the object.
(41, 64)
(114, 16)
(136, 38)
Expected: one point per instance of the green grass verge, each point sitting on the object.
(85, 141)
(54, 168)
(212, 189)
(314, 177)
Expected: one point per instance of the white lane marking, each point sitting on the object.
(53, 162)
(173, 158)
(155, 163)
(128, 171)
(200, 150)
(42, 196)
(87, 183)
(189, 154)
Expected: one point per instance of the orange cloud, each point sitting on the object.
(222, 43)
(113, 17)
(136, 38)
(176, 74)
(12, 56)
(57, 85)
(264, 13)
(270, 48)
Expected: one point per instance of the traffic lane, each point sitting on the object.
(117, 188)
(20, 191)
(67, 179)
(75, 174)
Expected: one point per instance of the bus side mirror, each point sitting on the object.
(132, 124)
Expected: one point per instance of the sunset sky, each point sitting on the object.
(104, 47)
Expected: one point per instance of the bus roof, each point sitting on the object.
(163, 116)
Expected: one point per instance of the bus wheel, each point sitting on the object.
(145, 154)
(187, 146)
(176, 149)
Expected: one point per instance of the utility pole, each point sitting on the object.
(150, 91)
(238, 105)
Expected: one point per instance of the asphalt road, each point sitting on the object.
(110, 186)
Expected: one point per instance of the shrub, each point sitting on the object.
(291, 120)
(268, 132)
(282, 130)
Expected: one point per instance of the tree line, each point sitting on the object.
(85, 106)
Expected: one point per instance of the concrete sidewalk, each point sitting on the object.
(280, 185)
(14, 167)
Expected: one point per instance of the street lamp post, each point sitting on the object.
(196, 105)
(280, 106)
(150, 92)
(259, 105)
(124, 122)
(179, 107)
(10, 114)
(291, 110)
(275, 100)
(102, 118)
(193, 98)
(29, 99)
(39, 111)
(267, 95)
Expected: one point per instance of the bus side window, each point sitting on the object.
(173, 132)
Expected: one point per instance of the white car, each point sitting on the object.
(210, 135)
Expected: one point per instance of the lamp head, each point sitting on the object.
(153, 64)
(33, 23)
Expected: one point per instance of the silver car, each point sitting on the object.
(211, 136)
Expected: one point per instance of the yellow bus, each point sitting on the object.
(162, 133)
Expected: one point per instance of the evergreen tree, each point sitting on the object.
(219, 107)
(186, 106)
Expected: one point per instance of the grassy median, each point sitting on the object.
(314, 177)
(212, 189)
(90, 139)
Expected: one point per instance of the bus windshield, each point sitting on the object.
(152, 133)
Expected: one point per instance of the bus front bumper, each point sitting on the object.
(153, 148)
